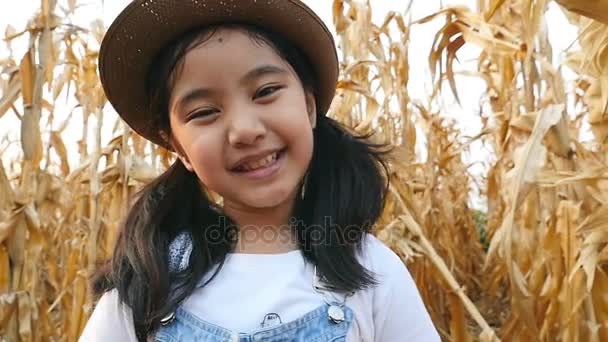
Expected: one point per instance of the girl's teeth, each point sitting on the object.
(260, 163)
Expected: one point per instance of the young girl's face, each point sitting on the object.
(241, 120)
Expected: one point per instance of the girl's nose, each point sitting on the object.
(245, 129)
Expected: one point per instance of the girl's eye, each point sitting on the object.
(201, 113)
(267, 91)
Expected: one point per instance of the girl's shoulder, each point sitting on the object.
(391, 273)
(398, 312)
(111, 320)
(377, 257)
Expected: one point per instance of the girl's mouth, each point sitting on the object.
(262, 167)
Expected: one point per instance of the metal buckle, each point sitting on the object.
(168, 319)
(335, 312)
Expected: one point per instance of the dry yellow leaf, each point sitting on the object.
(59, 146)
(28, 77)
(10, 95)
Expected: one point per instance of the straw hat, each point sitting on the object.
(144, 27)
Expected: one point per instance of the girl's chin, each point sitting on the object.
(266, 202)
(270, 199)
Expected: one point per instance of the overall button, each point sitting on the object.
(336, 314)
(168, 319)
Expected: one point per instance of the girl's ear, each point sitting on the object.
(311, 107)
(180, 154)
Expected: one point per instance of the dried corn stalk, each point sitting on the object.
(539, 258)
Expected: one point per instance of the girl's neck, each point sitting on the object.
(263, 230)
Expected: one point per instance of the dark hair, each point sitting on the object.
(345, 184)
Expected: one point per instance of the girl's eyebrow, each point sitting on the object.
(201, 93)
(262, 70)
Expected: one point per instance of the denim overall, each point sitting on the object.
(328, 322)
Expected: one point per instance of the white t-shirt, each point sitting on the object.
(251, 286)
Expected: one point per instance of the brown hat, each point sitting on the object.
(144, 27)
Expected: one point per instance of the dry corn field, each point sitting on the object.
(534, 267)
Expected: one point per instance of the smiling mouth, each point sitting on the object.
(261, 163)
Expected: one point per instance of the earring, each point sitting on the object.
(303, 190)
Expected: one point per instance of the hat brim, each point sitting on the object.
(144, 27)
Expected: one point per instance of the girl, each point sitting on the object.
(239, 91)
